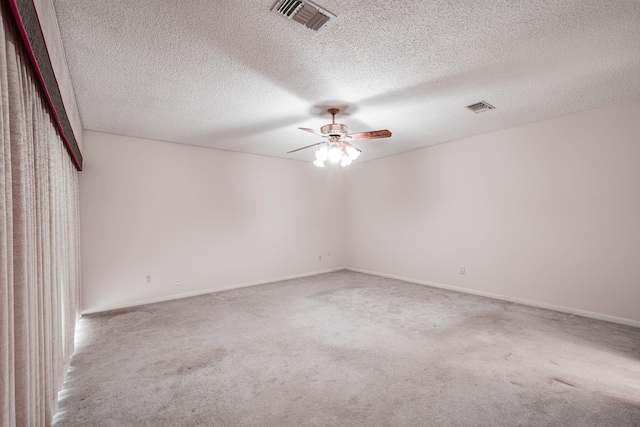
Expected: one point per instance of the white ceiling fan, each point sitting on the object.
(338, 141)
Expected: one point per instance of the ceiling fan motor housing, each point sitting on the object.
(335, 129)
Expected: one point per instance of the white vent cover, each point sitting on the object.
(306, 13)
(480, 107)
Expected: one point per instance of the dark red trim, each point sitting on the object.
(69, 140)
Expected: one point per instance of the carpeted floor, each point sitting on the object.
(349, 349)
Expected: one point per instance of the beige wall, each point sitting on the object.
(215, 219)
(548, 213)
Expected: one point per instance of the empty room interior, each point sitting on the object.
(331, 213)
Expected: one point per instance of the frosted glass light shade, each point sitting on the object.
(335, 154)
(322, 154)
(353, 153)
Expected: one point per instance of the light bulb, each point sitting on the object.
(322, 154)
(346, 161)
(319, 163)
(353, 153)
(335, 154)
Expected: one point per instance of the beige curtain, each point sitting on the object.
(39, 250)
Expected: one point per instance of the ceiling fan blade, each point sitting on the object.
(315, 132)
(308, 146)
(374, 134)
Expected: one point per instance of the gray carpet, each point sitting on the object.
(349, 349)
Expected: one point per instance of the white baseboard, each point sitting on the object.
(206, 291)
(562, 309)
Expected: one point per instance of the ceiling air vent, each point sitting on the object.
(480, 107)
(306, 13)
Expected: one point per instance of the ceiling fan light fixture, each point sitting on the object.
(322, 154)
(335, 154)
(352, 153)
(321, 157)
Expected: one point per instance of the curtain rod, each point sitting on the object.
(30, 29)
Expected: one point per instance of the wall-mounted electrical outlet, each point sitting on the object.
(461, 270)
(177, 281)
(319, 257)
(148, 278)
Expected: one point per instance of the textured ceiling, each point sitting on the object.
(234, 75)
